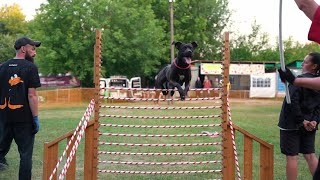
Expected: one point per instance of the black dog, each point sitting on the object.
(177, 73)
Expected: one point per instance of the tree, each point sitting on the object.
(200, 21)
(12, 20)
(12, 23)
(132, 38)
(6, 47)
(135, 39)
(294, 50)
(247, 47)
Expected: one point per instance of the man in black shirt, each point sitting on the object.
(19, 121)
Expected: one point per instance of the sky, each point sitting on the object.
(265, 12)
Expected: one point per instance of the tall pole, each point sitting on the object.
(282, 54)
(97, 75)
(228, 156)
(171, 31)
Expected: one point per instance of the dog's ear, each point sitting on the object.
(177, 44)
(194, 44)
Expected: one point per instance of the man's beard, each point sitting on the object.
(29, 58)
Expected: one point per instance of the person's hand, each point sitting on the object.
(286, 75)
(36, 124)
(306, 125)
(309, 125)
(312, 125)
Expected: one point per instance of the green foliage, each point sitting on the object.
(6, 47)
(12, 24)
(248, 47)
(12, 20)
(256, 47)
(65, 30)
(297, 51)
(136, 36)
(132, 39)
(202, 22)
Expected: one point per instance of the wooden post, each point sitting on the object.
(247, 158)
(89, 151)
(50, 160)
(266, 163)
(71, 172)
(228, 170)
(97, 70)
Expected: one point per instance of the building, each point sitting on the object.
(246, 77)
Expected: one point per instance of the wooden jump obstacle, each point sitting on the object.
(90, 169)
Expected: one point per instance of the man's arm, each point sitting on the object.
(312, 11)
(309, 7)
(311, 83)
(33, 101)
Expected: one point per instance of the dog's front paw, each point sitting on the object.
(183, 98)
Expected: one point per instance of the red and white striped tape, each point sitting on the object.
(168, 126)
(160, 117)
(156, 99)
(148, 89)
(159, 135)
(84, 117)
(159, 108)
(161, 154)
(233, 141)
(159, 145)
(159, 163)
(160, 172)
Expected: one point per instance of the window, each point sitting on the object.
(261, 82)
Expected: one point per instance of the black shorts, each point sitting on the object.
(293, 142)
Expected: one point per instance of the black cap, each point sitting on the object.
(24, 41)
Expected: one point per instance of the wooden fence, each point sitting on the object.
(72, 95)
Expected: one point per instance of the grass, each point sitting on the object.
(259, 117)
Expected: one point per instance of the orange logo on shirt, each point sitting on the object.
(14, 80)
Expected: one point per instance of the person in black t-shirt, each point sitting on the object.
(19, 121)
(299, 120)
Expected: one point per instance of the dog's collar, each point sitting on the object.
(175, 64)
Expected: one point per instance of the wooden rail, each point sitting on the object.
(266, 156)
(51, 151)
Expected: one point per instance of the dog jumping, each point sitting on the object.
(177, 73)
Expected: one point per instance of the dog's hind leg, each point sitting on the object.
(171, 95)
(157, 97)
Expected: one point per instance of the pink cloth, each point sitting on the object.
(314, 31)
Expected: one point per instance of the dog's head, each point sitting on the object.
(185, 53)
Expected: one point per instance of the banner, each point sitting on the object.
(235, 69)
(59, 81)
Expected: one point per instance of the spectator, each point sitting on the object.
(198, 85)
(207, 84)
